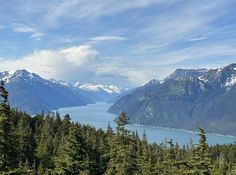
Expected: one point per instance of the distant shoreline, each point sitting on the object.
(184, 130)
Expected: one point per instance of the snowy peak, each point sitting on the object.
(188, 97)
(18, 75)
(60, 82)
(224, 77)
(186, 74)
(99, 87)
(46, 94)
(24, 75)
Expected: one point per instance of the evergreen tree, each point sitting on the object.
(8, 152)
(122, 151)
(170, 160)
(47, 145)
(144, 156)
(201, 161)
(26, 142)
(73, 160)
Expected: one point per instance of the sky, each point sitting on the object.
(125, 42)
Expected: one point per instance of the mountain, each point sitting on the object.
(99, 92)
(122, 94)
(186, 99)
(94, 92)
(31, 93)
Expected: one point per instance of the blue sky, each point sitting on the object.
(126, 42)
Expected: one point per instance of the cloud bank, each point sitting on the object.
(54, 63)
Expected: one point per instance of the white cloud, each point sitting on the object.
(197, 39)
(130, 76)
(194, 53)
(54, 63)
(108, 38)
(21, 28)
(90, 10)
(178, 24)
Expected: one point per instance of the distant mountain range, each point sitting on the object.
(31, 93)
(186, 99)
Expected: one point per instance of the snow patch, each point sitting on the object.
(202, 78)
(162, 81)
(60, 82)
(230, 81)
(7, 76)
(219, 70)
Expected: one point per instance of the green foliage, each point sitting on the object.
(201, 161)
(48, 145)
(73, 160)
(7, 136)
(122, 150)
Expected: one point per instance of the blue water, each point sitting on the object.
(96, 115)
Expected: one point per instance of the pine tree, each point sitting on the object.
(8, 151)
(45, 147)
(201, 161)
(73, 160)
(123, 159)
(144, 156)
(26, 141)
(170, 160)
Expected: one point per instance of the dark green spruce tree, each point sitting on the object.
(8, 153)
(73, 158)
(122, 151)
(201, 162)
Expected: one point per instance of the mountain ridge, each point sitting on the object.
(33, 94)
(185, 100)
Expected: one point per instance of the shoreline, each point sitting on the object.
(183, 130)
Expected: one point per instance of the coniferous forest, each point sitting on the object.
(53, 144)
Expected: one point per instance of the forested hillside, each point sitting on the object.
(52, 144)
(188, 98)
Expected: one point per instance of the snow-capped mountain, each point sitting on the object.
(100, 92)
(223, 78)
(60, 82)
(32, 93)
(18, 75)
(95, 92)
(186, 99)
(111, 89)
(186, 73)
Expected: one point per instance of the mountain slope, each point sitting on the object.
(31, 93)
(186, 99)
(99, 92)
